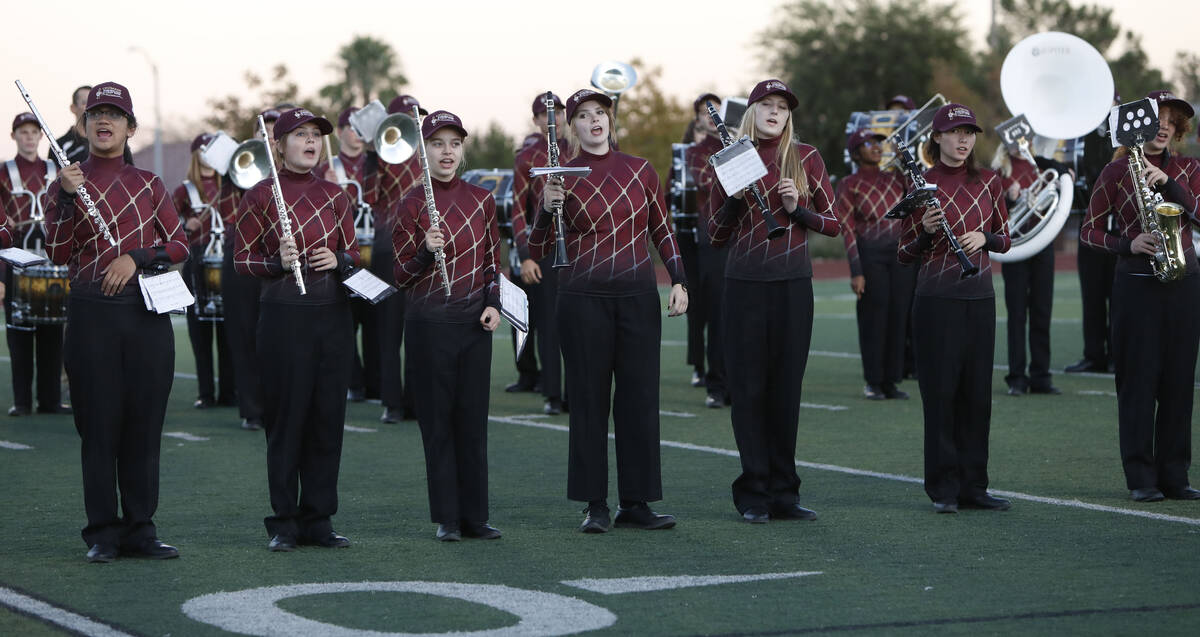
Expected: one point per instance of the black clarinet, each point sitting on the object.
(560, 229)
(924, 195)
(774, 230)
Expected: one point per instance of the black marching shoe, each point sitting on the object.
(1149, 494)
(793, 512)
(55, 409)
(356, 395)
(553, 407)
(282, 544)
(251, 424)
(204, 403)
(756, 516)
(1016, 389)
(984, 502)
(873, 392)
(448, 533)
(102, 553)
(522, 385)
(152, 549)
(597, 520)
(891, 392)
(1045, 389)
(945, 507)
(390, 416)
(18, 410)
(697, 379)
(713, 401)
(481, 531)
(639, 516)
(330, 541)
(1181, 493)
(1086, 365)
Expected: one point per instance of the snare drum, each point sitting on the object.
(39, 296)
(209, 303)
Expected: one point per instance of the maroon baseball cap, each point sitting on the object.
(438, 120)
(903, 99)
(951, 116)
(539, 104)
(773, 87)
(23, 119)
(112, 94)
(403, 104)
(1167, 98)
(291, 120)
(201, 140)
(344, 116)
(862, 136)
(585, 95)
(698, 103)
(270, 115)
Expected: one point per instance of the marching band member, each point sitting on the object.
(303, 340)
(539, 277)
(1155, 324)
(1028, 285)
(119, 356)
(687, 238)
(954, 318)
(74, 142)
(30, 173)
(883, 285)
(198, 226)
(608, 315)
(769, 298)
(449, 339)
(708, 287)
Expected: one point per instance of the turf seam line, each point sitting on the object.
(1016, 495)
(27, 604)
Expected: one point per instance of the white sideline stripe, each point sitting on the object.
(359, 430)
(676, 414)
(183, 435)
(825, 407)
(57, 616)
(1096, 392)
(619, 585)
(4, 444)
(1015, 495)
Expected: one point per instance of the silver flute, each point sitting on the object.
(62, 161)
(285, 221)
(435, 218)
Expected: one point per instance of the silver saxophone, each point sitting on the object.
(435, 218)
(285, 221)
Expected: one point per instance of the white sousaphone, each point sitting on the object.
(1064, 88)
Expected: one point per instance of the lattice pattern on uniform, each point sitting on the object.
(608, 217)
(227, 206)
(1114, 193)
(707, 187)
(210, 191)
(18, 209)
(862, 200)
(752, 256)
(970, 204)
(527, 192)
(354, 171)
(144, 217)
(389, 184)
(468, 223)
(321, 218)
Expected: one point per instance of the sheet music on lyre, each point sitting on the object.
(738, 165)
(21, 258)
(514, 307)
(165, 292)
(368, 286)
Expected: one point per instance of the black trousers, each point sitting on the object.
(1156, 328)
(883, 312)
(689, 253)
(548, 345)
(121, 362)
(766, 353)
(1096, 271)
(304, 355)
(200, 334)
(364, 368)
(708, 293)
(954, 341)
(1029, 298)
(240, 294)
(527, 360)
(389, 324)
(607, 339)
(455, 363)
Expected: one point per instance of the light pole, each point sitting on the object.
(158, 153)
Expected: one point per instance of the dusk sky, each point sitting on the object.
(483, 60)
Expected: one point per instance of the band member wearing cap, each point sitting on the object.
(608, 315)
(769, 304)
(539, 277)
(954, 318)
(883, 285)
(708, 286)
(119, 356)
(23, 185)
(449, 338)
(74, 143)
(240, 295)
(195, 201)
(1155, 335)
(389, 183)
(1028, 284)
(303, 340)
(900, 103)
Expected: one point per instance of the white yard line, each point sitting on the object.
(16, 446)
(57, 616)
(183, 435)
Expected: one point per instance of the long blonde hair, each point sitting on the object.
(194, 176)
(573, 137)
(787, 158)
(1002, 161)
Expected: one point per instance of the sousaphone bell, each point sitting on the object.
(394, 136)
(245, 164)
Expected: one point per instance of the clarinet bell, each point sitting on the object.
(774, 230)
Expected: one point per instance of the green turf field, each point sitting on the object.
(1073, 556)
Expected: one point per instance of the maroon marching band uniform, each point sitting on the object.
(1155, 327)
(954, 330)
(708, 290)
(769, 308)
(303, 347)
(119, 356)
(240, 300)
(609, 321)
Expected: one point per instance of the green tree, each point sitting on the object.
(492, 149)
(649, 121)
(368, 68)
(236, 115)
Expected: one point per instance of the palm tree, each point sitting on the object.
(369, 68)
